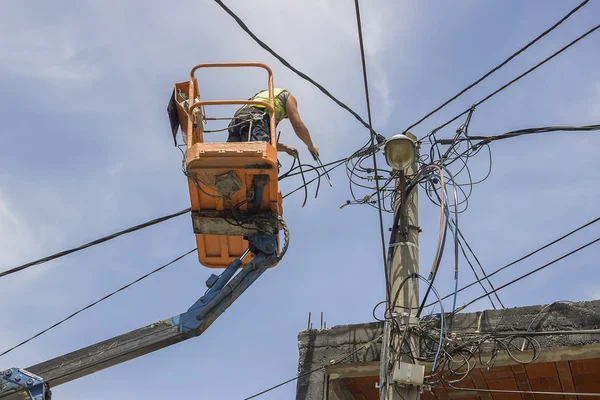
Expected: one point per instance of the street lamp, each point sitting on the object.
(399, 152)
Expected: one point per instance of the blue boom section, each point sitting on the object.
(34, 382)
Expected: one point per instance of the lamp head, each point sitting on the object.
(399, 152)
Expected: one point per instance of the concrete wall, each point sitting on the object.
(319, 348)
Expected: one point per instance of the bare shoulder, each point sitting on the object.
(291, 104)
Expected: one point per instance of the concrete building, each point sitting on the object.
(342, 363)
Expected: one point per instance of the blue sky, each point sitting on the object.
(86, 150)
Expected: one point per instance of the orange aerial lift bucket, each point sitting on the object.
(233, 186)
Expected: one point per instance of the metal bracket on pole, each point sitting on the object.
(19, 379)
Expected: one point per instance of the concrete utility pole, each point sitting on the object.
(404, 300)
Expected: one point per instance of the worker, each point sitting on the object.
(251, 122)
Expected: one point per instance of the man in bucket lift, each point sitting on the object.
(251, 122)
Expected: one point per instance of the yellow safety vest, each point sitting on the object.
(281, 96)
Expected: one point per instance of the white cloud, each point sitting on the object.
(15, 235)
(46, 53)
(594, 103)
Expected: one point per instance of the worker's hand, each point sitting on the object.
(290, 150)
(314, 151)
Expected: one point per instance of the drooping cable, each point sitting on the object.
(454, 224)
(460, 244)
(336, 165)
(441, 319)
(93, 243)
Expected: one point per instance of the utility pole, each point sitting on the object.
(404, 292)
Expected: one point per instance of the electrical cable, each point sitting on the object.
(480, 267)
(454, 224)
(457, 241)
(544, 309)
(521, 132)
(286, 237)
(372, 133)
(338, 164)
(406, 329)
(496, 68)
(477, 275)
(441, 319)
(489, 96)
(304, 181)
(366, 345)
(550, 333)
(523, 391)
(93, 243)
(98, 301)
(464, 128)
(285, 175)
(526, 256)
(444, 223)
(362, 151)
(442, 197)
(288, 65)
(532, 272)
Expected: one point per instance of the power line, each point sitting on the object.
(523, 391)
(368, 344)
(96, 302)
(478, 263)
(476, 275)
(530, 70)
(532, 272)
(520, 132)
(337, 163)
(333, 165)
(288, 65)
(496, 68)
(93, 243)
(524, 257)
(373, 152)
(545, 333)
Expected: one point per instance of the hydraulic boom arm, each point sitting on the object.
(34, 382)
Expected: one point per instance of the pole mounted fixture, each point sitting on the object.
(399, 152)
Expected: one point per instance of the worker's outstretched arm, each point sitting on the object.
(301, 130)
(286, 148)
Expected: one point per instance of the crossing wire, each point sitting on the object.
(288, 65)
(533, 272)
(373, 152)
(523, 258)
